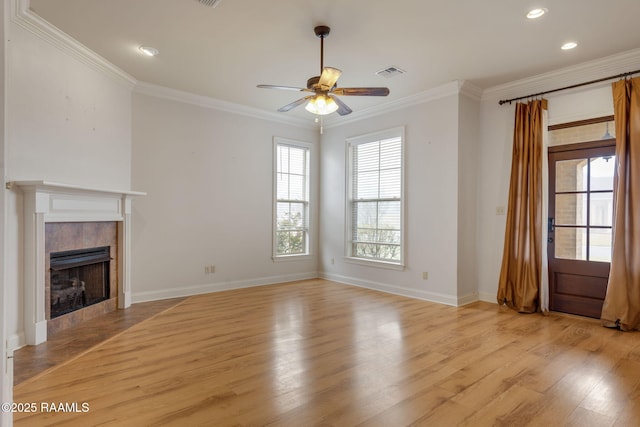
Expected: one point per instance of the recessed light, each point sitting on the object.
(149, 51)
(569, 45)
(536, 13)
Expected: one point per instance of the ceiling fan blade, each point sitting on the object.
(362, 91)
(297, 89)
(343, 109)
(294, 104)
(328, 78)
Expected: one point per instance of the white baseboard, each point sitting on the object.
(487, 297)
(217, 287)
(452, 300)
(468, 299)
(16, 341)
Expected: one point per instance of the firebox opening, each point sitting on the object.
(79, 278)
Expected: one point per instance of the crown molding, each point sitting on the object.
(438, 92)
(586, 71)
(22, 16)
(470, 90)
(216, 104)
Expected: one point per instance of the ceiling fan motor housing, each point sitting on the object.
(322, 31)
(312, 83)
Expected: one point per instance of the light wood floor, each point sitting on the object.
(67, 344)
(320, 353)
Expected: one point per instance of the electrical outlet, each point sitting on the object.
(501, 210)
(209, 269)
(333, 261)
(425, 275)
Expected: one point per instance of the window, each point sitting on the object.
(291, 201)
(375, 197)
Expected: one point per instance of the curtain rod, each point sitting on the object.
(627, 74)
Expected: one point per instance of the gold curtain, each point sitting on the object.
(622, 302)
(519, 283)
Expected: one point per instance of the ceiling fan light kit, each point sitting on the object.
(321, 105)
(324, 100)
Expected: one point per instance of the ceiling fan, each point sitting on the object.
(324, 100)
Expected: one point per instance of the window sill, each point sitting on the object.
(378, 264)
(287, 258)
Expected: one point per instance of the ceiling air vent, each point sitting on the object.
(210, 3)
(390, 72)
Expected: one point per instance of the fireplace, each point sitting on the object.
(79, 278)
(60, 217)
(81, 264)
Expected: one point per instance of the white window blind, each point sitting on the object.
(292, 199)
(376, 202)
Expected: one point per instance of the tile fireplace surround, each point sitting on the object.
(49, 202)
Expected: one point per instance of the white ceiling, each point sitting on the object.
(224, 52)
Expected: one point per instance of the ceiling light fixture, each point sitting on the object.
(536, 13)
(321, 105)
(149, 51)
(569, 45)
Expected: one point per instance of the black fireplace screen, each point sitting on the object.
(79, 278)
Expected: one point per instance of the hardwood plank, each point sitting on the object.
(321, 353)
(64, 345)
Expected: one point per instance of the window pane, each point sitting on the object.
(290, 242)
(601, 209)
(368, 157)
(283, 159)
(365, 250)
(390, 252)
(571, 209)
(372, 250)
(296, 242)
(571, 243)
(391, 153)
(366, 234)
(282, 186)
(296, 187)
(367, 185)
(389, 236)
(290, 215)
(571, 175)
(297, 161)
(390, 183)
(602, 169)
(389, 215)
(366, 214)
(600, 244)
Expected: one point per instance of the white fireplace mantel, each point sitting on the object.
(46, 201)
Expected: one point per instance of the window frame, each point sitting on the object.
(397, 132)
(279, 141)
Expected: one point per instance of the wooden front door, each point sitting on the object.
(580, 219)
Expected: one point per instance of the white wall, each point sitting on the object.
(431, 180)
(67, 121)
(208, 175)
